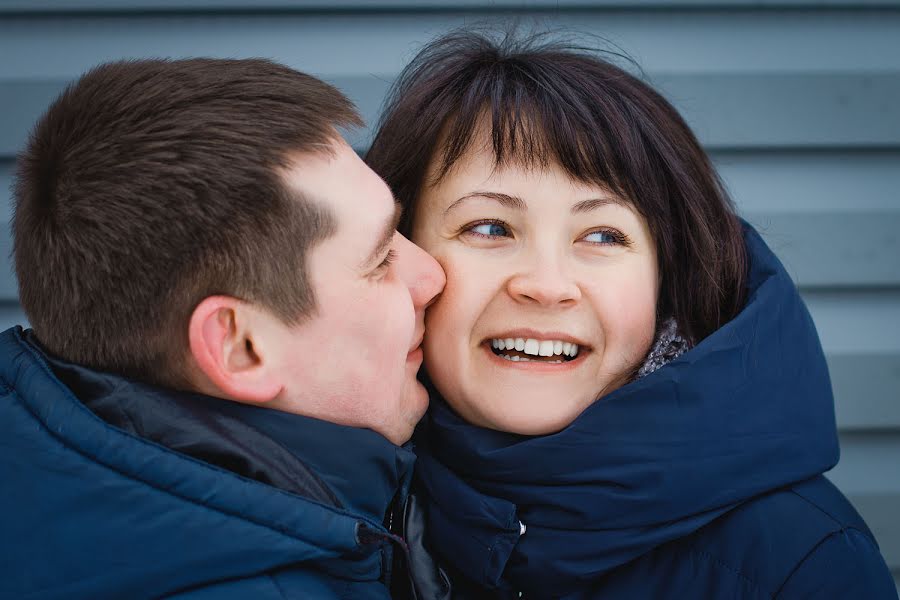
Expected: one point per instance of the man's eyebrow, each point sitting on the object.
(513, 202)
(387, 236)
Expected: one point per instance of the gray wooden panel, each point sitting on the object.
(727, 111)
(866, 391)
(860, 333)
(880, 511)
(809, 182)
(72, 6)
(835, 249)
(11, 314)
(868, 465)
(349, 43)
(22, 102)
(788, 110)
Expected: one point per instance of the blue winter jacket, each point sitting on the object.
(186, 496)
(700, 480)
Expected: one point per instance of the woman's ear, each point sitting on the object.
(228, 346)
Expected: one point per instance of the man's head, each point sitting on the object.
(178, 222)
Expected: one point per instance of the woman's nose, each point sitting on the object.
(545, 281)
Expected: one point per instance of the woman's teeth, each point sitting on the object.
(517, 358)
(535, 347)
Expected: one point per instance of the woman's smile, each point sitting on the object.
(522, 360)
(533, 351)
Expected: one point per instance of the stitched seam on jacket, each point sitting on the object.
(158, 447)
(277, 585)
(841, 531)
(837, 521)
(819, 544)
(733, 570)
(800, 563)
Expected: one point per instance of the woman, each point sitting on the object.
(629, 396)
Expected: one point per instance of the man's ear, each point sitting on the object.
(227, 343)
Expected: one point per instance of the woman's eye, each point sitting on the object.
(491, 230)
(602, 237)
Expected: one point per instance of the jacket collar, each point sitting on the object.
(365, 470)
(345, 467)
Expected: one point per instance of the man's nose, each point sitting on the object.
(422, 274)
(544, 280)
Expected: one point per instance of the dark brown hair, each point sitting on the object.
(149, 185)
(546, 101)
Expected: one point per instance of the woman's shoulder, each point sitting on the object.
(806, 539)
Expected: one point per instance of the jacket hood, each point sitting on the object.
(87, 506)
(746, 411)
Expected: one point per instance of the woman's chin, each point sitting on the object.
(521, 412)
(534, 397)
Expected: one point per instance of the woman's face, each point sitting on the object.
(551, 293)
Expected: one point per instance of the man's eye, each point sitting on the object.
(490, 229)
(386, 263)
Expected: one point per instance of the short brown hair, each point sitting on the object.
(548, 101)
(149, 185)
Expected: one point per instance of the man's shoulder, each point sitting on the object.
(178, 521)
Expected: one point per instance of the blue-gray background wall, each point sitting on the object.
(798, 102)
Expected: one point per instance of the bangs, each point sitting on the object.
(535, 111)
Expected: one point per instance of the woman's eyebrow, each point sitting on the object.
(595, 203)
(516, 203)
(513, 202)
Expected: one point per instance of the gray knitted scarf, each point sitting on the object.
(668, 346)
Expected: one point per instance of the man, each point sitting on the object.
(226, 337)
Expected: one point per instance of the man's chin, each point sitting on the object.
(415, 405)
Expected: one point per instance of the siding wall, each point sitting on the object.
(797, 101)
